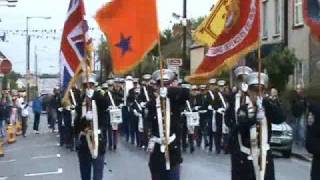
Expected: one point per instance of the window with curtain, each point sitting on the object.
(277, 16)
(265, 19)
(298, 13)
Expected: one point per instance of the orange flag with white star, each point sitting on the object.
(132, 31)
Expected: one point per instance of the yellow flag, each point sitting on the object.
(213, 25)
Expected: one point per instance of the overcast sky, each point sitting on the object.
(48, 49)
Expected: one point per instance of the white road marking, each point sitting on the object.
(59, 171)
(8, 161)
(3, 178)
(47, 156)
(34, 146)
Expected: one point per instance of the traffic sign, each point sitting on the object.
(5, 66)
(174, 61)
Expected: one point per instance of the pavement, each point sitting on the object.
(301, 153)
(37, 157)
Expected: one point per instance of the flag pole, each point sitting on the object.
(259, 68)
(163, 110)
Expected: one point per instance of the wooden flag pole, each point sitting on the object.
(163, 110)
(259, 68)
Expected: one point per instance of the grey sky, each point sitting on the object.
(48, 49)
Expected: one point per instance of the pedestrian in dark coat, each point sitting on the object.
(313, 137)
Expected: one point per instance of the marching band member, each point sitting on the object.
(127, 113)
(133, 101)
(220, 136)
(190, 119)
(113, 94)
(90, 152)
(147, 94)
(203, 111)
(250, 116)
(164, 146)
(76, 114)
(213, 104)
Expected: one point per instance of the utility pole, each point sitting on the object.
(28, 59)
(36, 69)
(28, 52)
(184, 23)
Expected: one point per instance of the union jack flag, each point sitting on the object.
(74, 43)
(312, 16)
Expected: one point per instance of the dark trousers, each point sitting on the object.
(132, 128)
(36, 121)
(202, 133)
(242, 168)
(86, 163)
(184, 137)
(173, 174)
(67, 131)
(61, 127)
(217, 140)
(112, 137)
(24, 125)
(216, 136)
(125, 124)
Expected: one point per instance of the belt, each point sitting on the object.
(203, 111)
(161, 141)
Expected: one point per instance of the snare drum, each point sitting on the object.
(192, 118)
(115, 116)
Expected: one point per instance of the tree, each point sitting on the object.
(280, 65)
(11, 78)
(104, 57)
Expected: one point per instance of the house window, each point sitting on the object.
(298, 13)
(299, 74)
(277, 17)
(265, 21)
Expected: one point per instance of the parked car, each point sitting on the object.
(282, 139)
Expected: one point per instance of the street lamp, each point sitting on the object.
(28, 50)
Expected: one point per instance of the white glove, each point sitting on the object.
(143, 104)
(89, 116)
(151, 145)
(68, 108)
(196, 108)
(244, 87)
(221, 110)
(210, 107)
(60, 109)
(72, 107)
(73, 112)
(259, 102)
(163, 92)
(135, 112)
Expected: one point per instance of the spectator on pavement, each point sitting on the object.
(313, 137)
(37, 108)
(298, 108)
(4, 114)
(24, 117)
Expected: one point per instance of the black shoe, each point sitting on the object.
(191, 150)
(110, 148)
(114, 147)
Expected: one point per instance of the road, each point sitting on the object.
(37, 157)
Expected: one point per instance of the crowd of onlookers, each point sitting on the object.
(14, 111)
